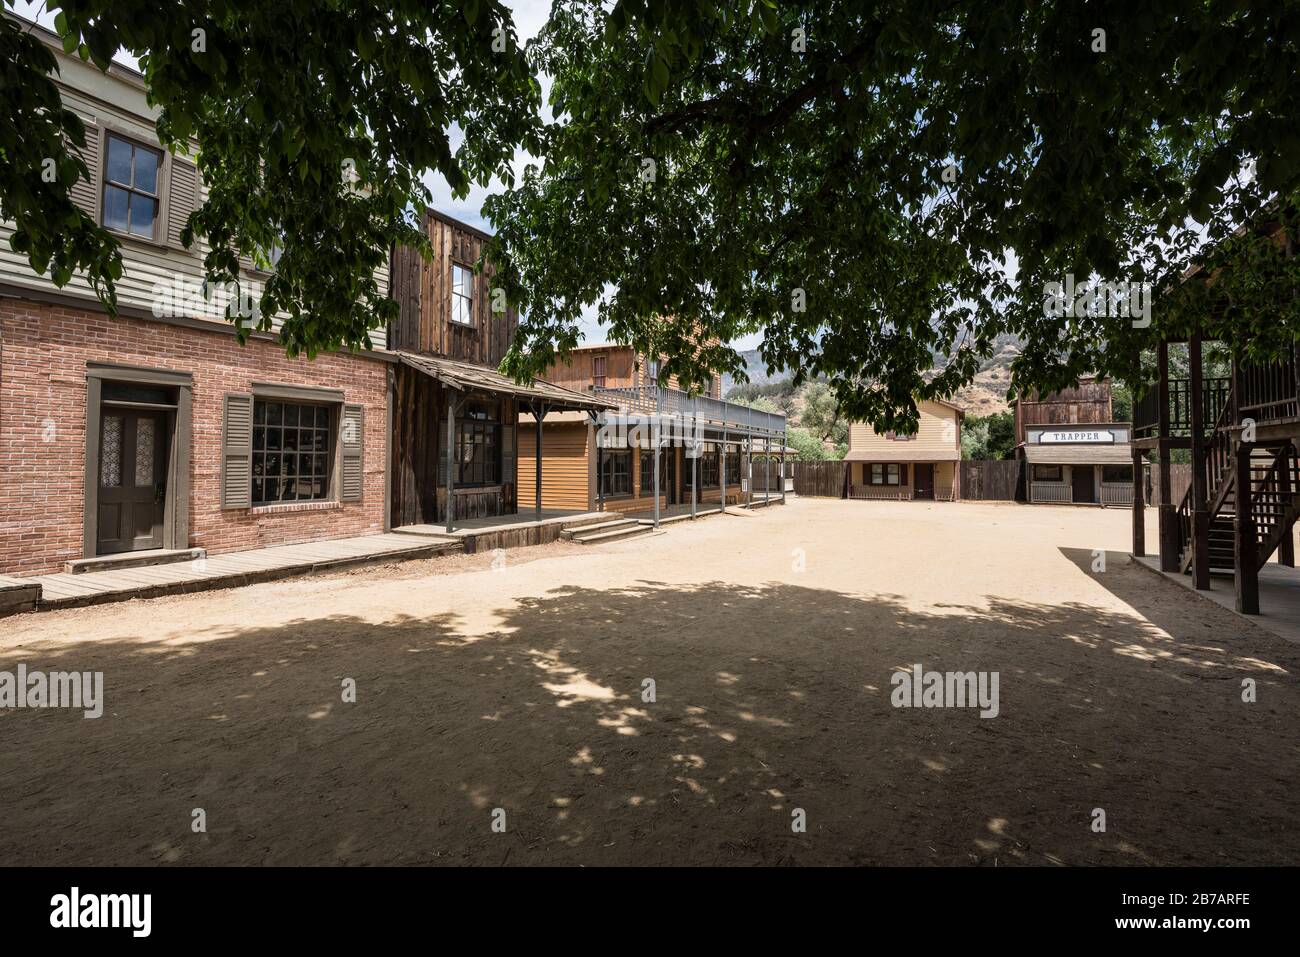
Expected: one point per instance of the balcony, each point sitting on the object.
(1146, 410)
(713, 413)
(1269, 394)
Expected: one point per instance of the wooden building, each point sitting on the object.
(455, 419)
(709, 447)
(1243, 432)
(1072, 449)
(923, 465)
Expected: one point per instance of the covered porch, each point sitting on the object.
(455, 438)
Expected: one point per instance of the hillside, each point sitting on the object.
(986, 395)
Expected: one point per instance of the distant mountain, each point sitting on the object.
(756, 370)
(984, 396)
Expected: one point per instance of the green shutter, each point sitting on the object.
(182, 198)
(237, 452)
(85, 193)
(350, 447)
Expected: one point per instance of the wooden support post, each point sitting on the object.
(1200, 543)
(1286, 549)
(1245, 548)
(1139, 503)
(767, 471)
(1167, 514)
(749, 470)
(722, 465)
(451, 455)
(695, 460)
(539, 413)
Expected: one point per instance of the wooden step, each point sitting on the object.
(637, 530)
(153, 556)
(582, 533)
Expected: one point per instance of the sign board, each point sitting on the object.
(1090, 437)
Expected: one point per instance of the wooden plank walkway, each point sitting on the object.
(1279, 596)
(237, 568)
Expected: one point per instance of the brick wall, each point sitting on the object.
(43, 354)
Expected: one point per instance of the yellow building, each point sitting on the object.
(889, 465)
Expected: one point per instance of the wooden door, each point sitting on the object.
(924, 487)
(1081, 479)
(132, 480)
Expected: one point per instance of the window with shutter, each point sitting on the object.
(237, 451)
(350, 448)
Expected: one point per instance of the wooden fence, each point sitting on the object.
(819, 478)
(980, 481)
(990, 480)
(1180, 477)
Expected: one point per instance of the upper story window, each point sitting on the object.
(462, 295)
(131, 188)
(895, 437)
(598, 372)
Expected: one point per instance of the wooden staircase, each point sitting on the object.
(1272, 501)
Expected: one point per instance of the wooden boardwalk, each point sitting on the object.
(236, 568)
(1279, 596)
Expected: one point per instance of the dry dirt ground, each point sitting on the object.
(771, 640)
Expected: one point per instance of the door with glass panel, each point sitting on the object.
(132, 479)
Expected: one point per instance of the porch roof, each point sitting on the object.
(1079, 454)
(468, 377)
(902, 454)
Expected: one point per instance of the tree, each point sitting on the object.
(808, 447)
(990, 436)
(871, 185)
(821, 414)
(315, 123)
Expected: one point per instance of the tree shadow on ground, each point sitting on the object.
(768, 699)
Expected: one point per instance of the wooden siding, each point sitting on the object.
(107, 102)
(576, 370)
(624, 369)
(423, 293)
(1088, 403)
(938, 436)
(565, 465)
(419, 448)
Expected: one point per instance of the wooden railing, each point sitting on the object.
(1050, 493)
(894, 493)
(1270, 392)
(1116, 493)
(1146, 410)
(716, 412)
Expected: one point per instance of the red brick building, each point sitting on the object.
(58, 362)
(155, 430)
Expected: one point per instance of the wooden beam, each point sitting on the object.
(1166, 513)
(1200, 487)
(1139, 502)
(1245, 549)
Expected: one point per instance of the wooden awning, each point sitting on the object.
(1118, 454)
(467, 377)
